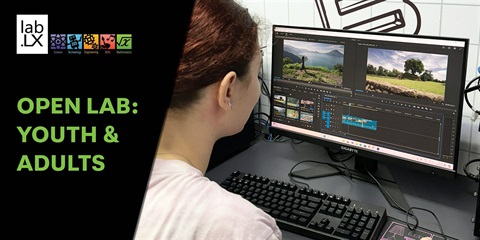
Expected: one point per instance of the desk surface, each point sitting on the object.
(451, 200)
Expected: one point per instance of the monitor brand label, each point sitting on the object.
(349, 149)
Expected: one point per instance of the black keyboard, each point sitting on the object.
(309, 212)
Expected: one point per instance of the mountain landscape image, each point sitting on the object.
(313, 62)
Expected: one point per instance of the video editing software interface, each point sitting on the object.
(390, 95)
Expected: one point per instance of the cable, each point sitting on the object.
(475, 177)
(280, 139)
(310, 161)
(416, 224)
(293, 141)
(264, 114)
(260, 131)
(333, 156)
(407, 212)
(471, 89)
(269, 138)
(264, 88)
(470, 175)
(263, 85)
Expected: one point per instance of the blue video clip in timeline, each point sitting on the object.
(359, 122)
(326, 118)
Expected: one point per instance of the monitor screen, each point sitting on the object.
(390, 97)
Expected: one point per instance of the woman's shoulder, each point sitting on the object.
(228, 208)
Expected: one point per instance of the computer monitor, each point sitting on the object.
(386, 97)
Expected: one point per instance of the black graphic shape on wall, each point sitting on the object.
(380, 22)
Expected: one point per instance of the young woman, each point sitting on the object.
(215, 91)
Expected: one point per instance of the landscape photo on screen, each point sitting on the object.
(408, 74)
(313, 62)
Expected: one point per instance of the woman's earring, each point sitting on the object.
(230, 104)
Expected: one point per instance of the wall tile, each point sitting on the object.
(472, 67)
(471, 73)
(478, 61)
(430, 15)
(469, 2)
(264, 100)
(302, 13)
(425, 1)
(265, 108)
(276, 11)
(461, 21)
(467, 112)
(475, 138)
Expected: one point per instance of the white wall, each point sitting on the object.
(453, 18)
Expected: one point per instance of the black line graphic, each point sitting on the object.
(355, 6)
(386, 22)
(381, 22)
(322, 13)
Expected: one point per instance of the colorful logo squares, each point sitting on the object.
(124, 41)
(91, 41)
(58, 41)
(74, 42)
(107, 41)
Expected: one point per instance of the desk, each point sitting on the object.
(451, 200)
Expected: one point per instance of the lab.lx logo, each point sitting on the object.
(32, 34)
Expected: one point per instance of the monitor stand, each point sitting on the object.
(380, 171)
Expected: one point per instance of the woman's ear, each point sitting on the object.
(226, 90)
